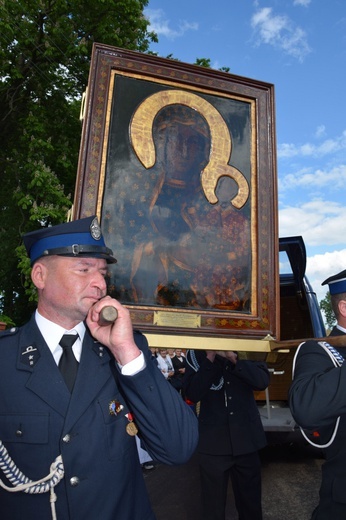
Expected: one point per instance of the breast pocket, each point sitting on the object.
(25, 437)
(24, 428)
(115, 416)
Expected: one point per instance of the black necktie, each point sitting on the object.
(68, 364)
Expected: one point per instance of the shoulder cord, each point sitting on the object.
(337, 360)
(23, 483)
(195, 366)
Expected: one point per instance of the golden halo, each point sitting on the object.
(221, 143)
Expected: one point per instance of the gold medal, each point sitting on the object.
(131, 429)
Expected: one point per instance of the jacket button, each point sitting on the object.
(74, 481)
(19, 433)
(66, 438)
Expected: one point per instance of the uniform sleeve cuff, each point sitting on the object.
(134, 366)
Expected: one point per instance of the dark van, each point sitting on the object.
(300, 317)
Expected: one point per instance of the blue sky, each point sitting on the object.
(300, 47)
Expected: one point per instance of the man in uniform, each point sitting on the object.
(230, 430)
(86, 411)
(317, 400)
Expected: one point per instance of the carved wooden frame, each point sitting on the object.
(113, 123)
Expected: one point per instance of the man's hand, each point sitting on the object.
(211, 355)
(228, 354)
(117, 336)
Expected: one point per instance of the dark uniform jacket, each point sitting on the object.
(39, 420)
(317, 397)
(177, 379)
(229, 421)
(177, 365)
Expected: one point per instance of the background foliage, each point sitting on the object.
(45, 50)
(326, 307)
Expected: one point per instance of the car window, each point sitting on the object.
(284, 263)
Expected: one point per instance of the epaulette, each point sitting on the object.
(8, 332)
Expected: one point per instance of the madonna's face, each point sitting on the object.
(184, 151)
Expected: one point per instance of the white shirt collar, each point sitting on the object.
(52, 334)
(341, 328)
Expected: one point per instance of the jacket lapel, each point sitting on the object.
(46, 381)
(44, 378)
(93, 374)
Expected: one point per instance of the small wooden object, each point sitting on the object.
(108, 315)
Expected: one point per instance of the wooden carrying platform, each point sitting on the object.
(240, 345)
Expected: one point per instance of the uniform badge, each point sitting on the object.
(99, 350)
(115, 407)
(30, 355)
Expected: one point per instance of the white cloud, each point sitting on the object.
(280, 32)
(269, 26)
(160, 24)
(320, 131)
(333, 179)
(320, 223)
(304, 3)
(322, 226)
(320, 267)
(328, 146)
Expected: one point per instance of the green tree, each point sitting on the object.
(205, 62)
(201, 62)
(45, 50)
(326, 308)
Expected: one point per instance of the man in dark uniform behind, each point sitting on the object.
(230, 430)
(79, 417)
(317, 399)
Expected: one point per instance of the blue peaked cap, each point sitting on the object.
(337, 283)
(75, 239)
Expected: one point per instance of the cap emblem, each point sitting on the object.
(95, 229)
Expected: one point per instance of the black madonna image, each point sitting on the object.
(178, 200)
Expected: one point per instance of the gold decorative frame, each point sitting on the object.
(191, 277)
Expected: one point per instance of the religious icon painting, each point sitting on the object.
(178, 162)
